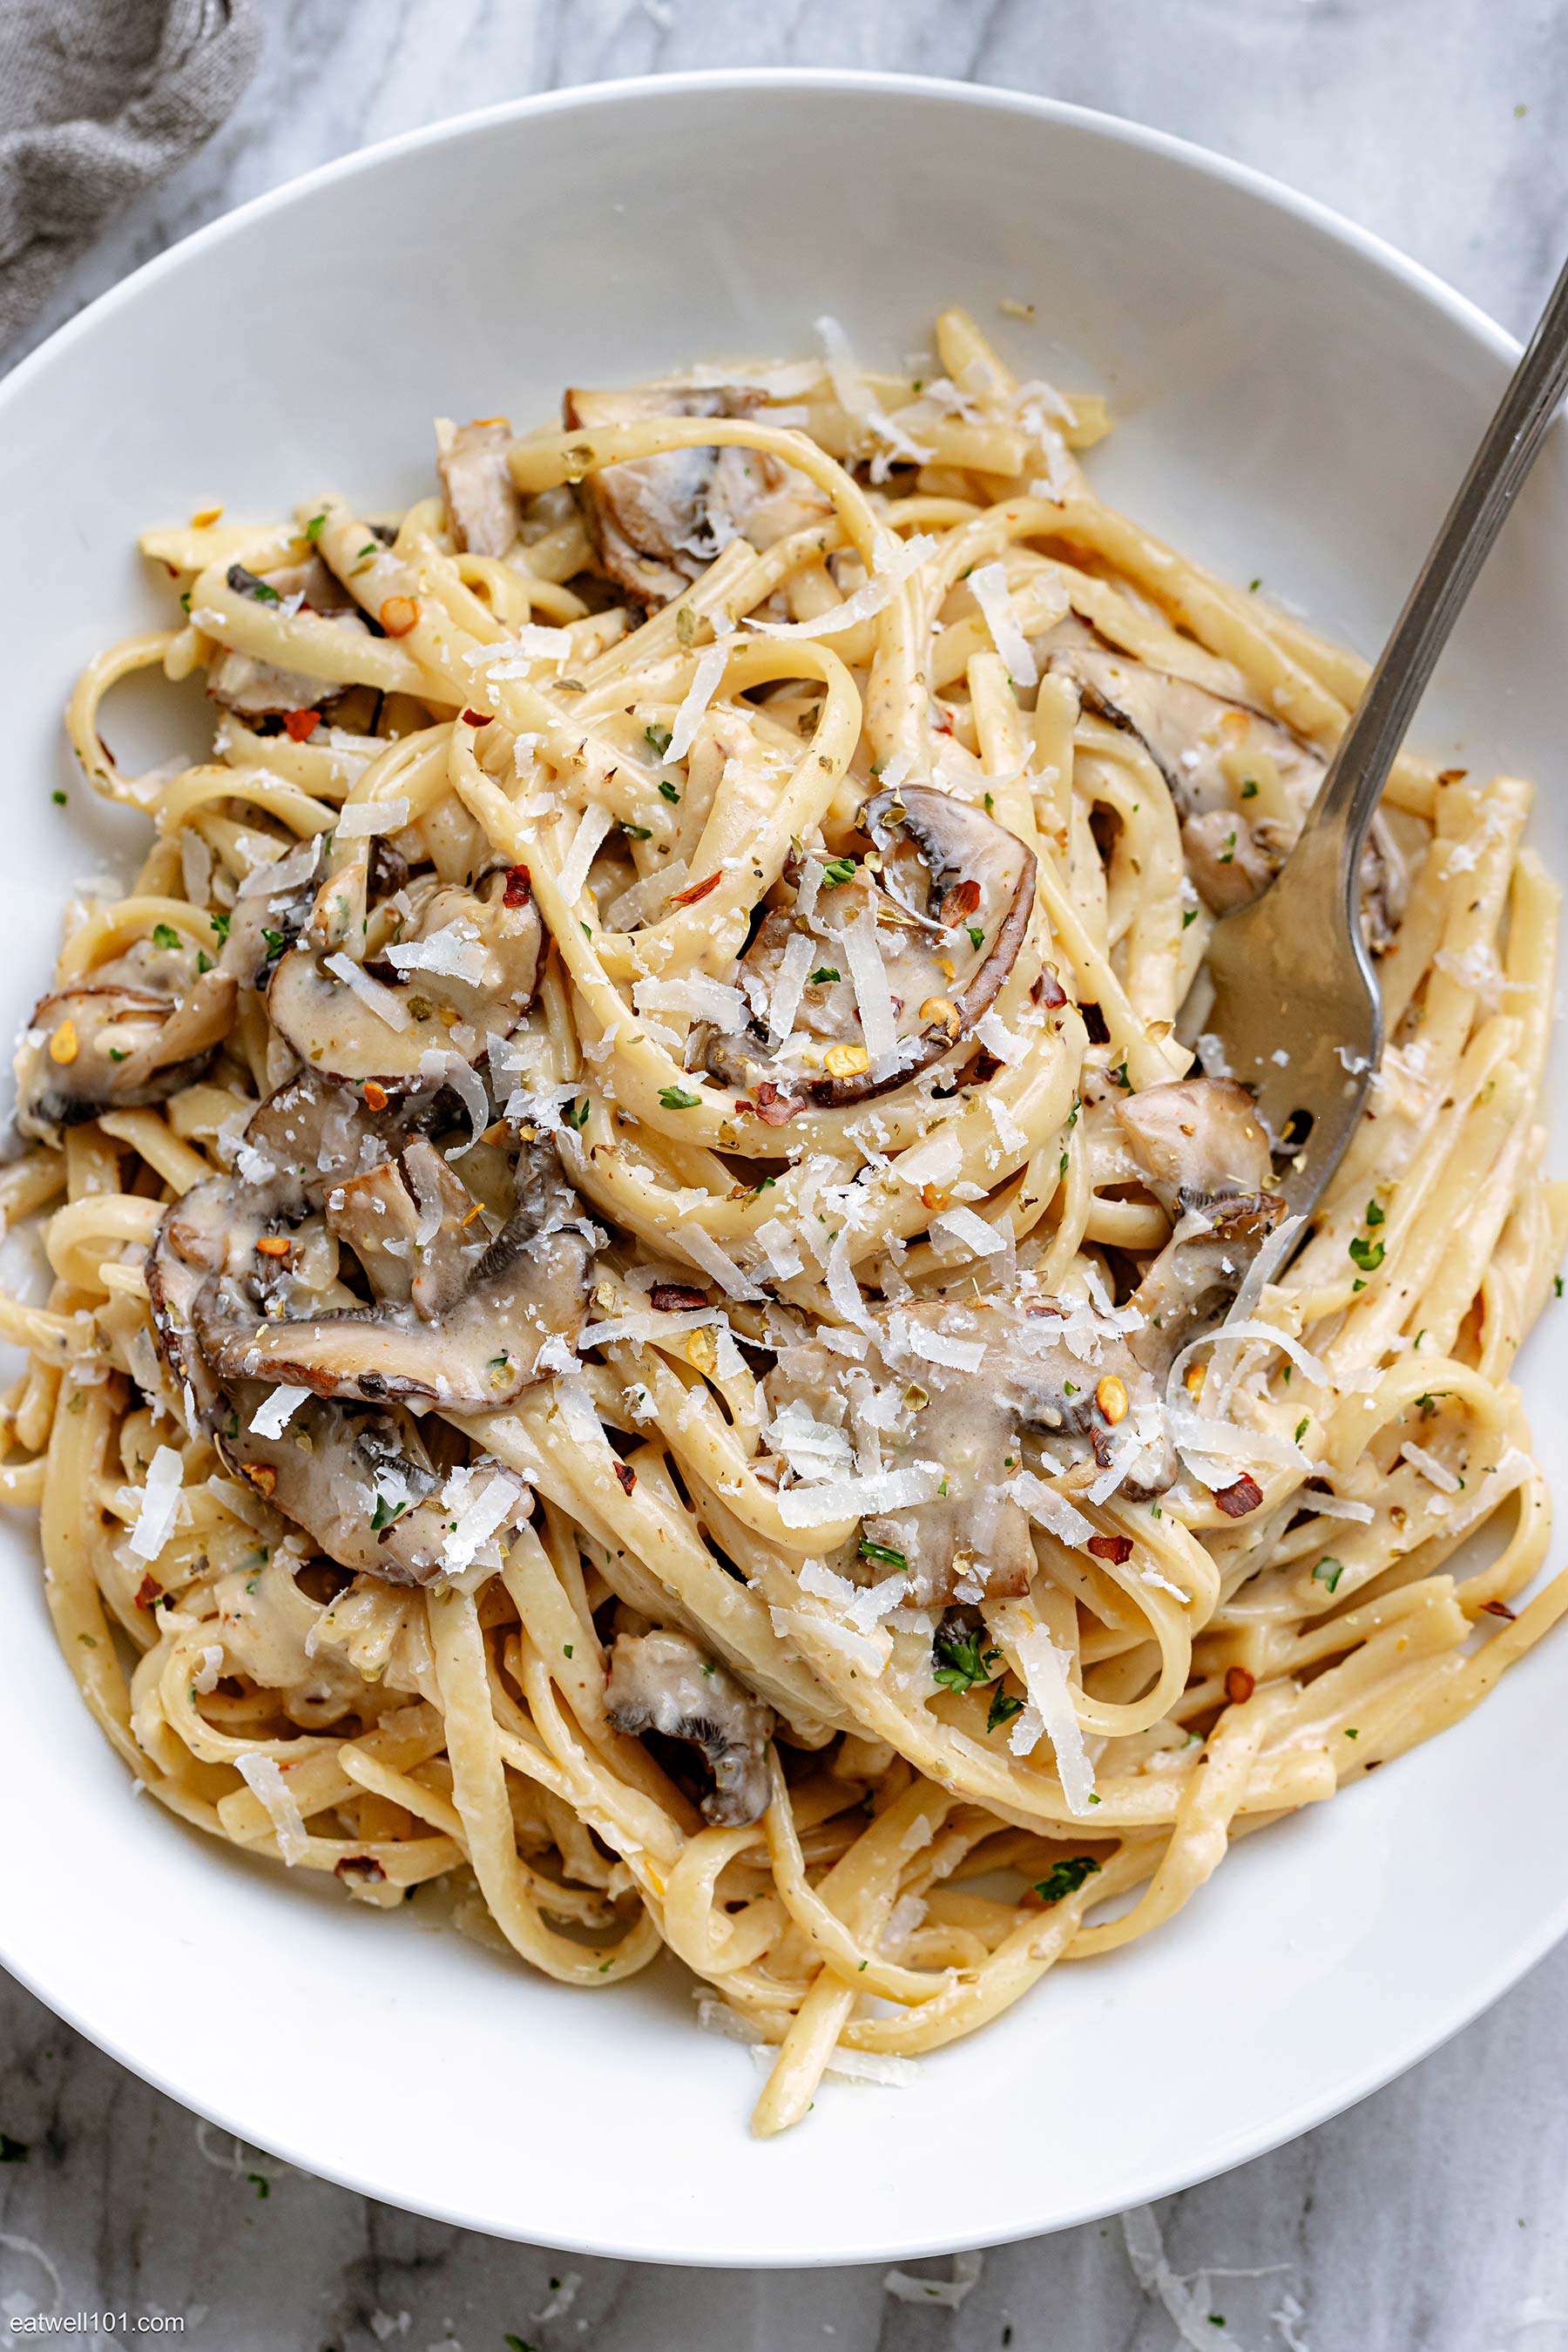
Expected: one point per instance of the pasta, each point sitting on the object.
(659, 1310)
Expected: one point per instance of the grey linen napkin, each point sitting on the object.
(98, 100)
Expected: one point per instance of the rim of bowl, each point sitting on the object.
(1241, 2147)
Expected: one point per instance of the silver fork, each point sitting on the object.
(1291, 973)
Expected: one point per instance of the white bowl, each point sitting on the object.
(1294, 401)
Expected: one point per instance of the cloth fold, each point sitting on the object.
(99, 100)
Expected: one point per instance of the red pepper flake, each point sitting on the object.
(398, 615)
(676, 1299)
(1239, 1685)
(519, 886)
(476, 719)
(362, 1867)
(963, 899)
(690, 897)
(149, 1593)
(774, 1108)
(1113, 1550)
(1048, 991)
(375, 1095)
(628, 1476)
(300, 725)
(1245, 1496)
(1499, 1609)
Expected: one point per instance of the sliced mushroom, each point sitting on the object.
(315, 1162)
(660, 522)
(466, 1344)
(482, 505)
(1188, 733)
(662, 1682)
(359, 1481)
(467, 968)
(948, 912)
(135, 1032)
(1198, 1139)
(1207, 1159)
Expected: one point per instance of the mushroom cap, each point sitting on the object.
(956, 873)
(483, 965)
(659, 522)
(131, 1045)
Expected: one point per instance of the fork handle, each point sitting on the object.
(1350, 792)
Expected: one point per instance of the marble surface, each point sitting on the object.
(1430, 2217)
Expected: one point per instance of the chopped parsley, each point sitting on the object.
(118, 1053)
(383, 1513)
(1557, 1286)
(638, 832)
(315, 526)
(659, 738)
(667, 791)
(1228, 853)
(249, 583)
(577, 1113)
(260, 2182)
(164, 935)
(883, 1554)
(976, 934)
(1250, 789)
(1191, 916)
(1120, 1077)
(1374, 1215)
(964, 1663)
(1328, 1571)
(58, 799)
(1004, 1706)
(838, 872)
(276, 942)
(1368, 1255)
(677, 1098)
(990, 803)
(826, 973)
(1302, 1427)
(203, 960)
(220, 924)
(1066, 1877)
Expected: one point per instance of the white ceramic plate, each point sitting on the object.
(1294, 401)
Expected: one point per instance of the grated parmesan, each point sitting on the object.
(1050, 1708)
(1053, 1511)
(1437, 1473)
(160, 1503)
(266, 1782)
(592, 826)
(989, 584)
(456, 952)
(371, 995)
(854, 1499)
(356, 819)
(941, 1347)
(713, 1258)
(282, 873)
(970, 1232)
(274, 1413)
(895, 564)
(873, 997)
(789, 986)
(704, 685)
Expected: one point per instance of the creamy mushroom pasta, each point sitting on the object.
(650, 1315)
